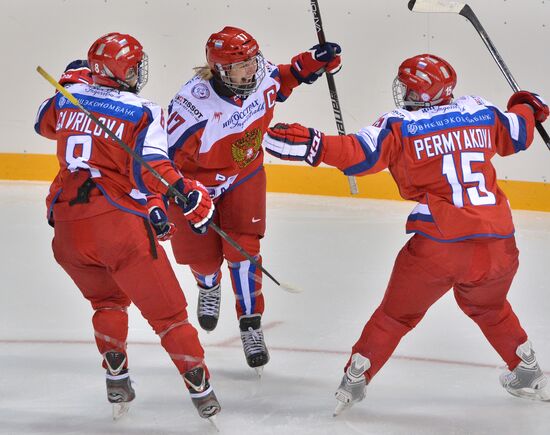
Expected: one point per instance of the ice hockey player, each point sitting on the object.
(439, 152)
(215, 128)
(103, 238)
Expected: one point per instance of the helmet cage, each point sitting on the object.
(143, 72)
(142, 76)
(242, 89)
(409, 99)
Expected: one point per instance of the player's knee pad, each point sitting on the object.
(249, 242)
(162, 326)
(396, 324)
(180, 339)
(208, 280)
(110, 328)
(207, 273)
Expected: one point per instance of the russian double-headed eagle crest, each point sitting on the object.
(245, 149)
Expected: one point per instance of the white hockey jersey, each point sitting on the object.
(218, 140)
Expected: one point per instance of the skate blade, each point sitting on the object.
(531, 394)
(340, 407)
(259, 371)
(120, 410)
(214, 422)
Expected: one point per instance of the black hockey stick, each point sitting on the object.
(466, 11)
(332, 88)
(159, 177)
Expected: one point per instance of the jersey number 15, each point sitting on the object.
(478, 195)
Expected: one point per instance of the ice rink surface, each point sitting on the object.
(443, 378)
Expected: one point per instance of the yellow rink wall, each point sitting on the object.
(523, 195)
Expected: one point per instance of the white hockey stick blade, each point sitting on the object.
(120, 410)
(286, 287)
(290, 288)
(214, 422)
(436, 6)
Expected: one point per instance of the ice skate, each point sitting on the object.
(208, 307)
(252, 336)
(526, 380)
(202, 394)
(119, 386)
(353, 385)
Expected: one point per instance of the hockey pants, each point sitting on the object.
(479, 271)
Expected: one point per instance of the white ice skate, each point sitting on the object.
(527, 380)
(353, 385)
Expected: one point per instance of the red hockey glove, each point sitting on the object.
(295, 142)
(199, 208)
(76, 72)
(310, 65)
(164, 229)
(535, 101)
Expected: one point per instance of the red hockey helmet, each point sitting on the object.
(118, 61)
(232, 48)
(423, 81)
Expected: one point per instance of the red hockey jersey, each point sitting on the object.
(84, 150)
(441, 157)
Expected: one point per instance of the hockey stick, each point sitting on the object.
(332, 88)
(159, 177)
(466, 11)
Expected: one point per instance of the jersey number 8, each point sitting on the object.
(73, 162)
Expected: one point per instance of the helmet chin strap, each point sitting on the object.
(221, 88)
(123, 86)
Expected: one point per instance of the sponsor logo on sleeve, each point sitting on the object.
(188, 106)
(200, 91)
